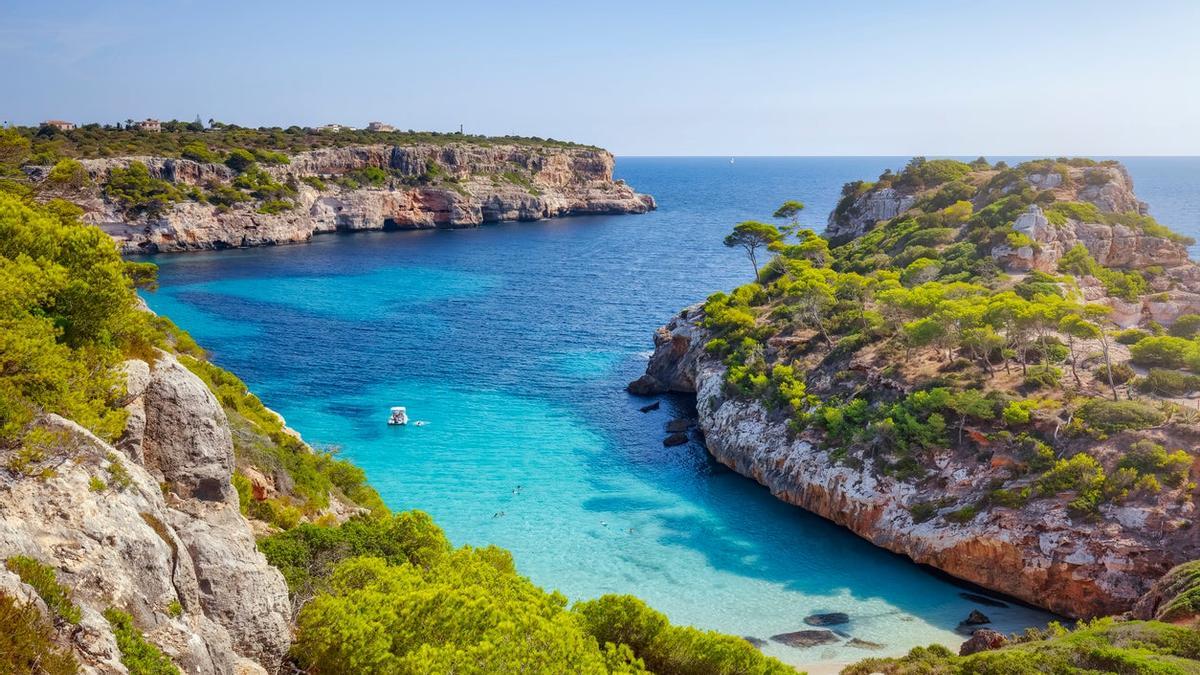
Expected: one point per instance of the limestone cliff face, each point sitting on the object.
(169, 532)
(477, 184)
(861, 213)
(1038, 553)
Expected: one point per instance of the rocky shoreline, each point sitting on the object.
(475, 184)
(1037, 554)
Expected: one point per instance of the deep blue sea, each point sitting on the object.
(514, 343)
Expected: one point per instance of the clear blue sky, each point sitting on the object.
(723, 78)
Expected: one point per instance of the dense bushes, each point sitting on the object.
(27, 643)
(392, 595)
(1112, 416)
(44, 581)
(667, 649)
(137, 192)
(94, 140)
(1169, 382)
(1166, 351)
(1100, 646)
(67, 319)
(137, 655)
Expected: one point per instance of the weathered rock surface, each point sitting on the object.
(981, 641)
(675, 439)
(864, 212)
(141, 547)
(1037, 553)
(859, 643)
(552, 182)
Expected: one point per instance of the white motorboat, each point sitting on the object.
(399, 415)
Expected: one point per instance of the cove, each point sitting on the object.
(514, 342)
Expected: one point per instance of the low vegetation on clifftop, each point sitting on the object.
(98, 398)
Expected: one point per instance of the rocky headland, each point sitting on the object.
(972, 500)
(452, 185)
(152, 526)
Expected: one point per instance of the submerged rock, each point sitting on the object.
(858, 643)
(675, 439)
(976, 618)
(982, 640)
(678, 425)
(806, 638)
(648, 408)
(828, 619)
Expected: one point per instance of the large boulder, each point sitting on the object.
(186, 442)
(982, 640)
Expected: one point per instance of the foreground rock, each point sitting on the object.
(474, 184)
(163, 532)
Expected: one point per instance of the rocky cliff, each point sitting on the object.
(426, 186)
(151, 527)
(1038, 553)
(1020, 474)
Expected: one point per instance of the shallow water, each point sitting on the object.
(514, 341)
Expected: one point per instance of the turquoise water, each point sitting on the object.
(514, 341)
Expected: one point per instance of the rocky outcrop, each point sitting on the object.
(472, 185)
(860, 214)
(152, 527)
(1037, 553)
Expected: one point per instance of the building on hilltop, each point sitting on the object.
(331, 128)
(149, 125)
(61, 125)
(380, 126)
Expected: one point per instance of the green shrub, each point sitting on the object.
(1131, 336)
(239, 159)
(137, 192)
(625, 620)
(1169, 382)
(271, 157)
(1121, 373)
(964, 515)
(1166, 352)
(44, 581)
(1148, 457)
(137, 655)
(1112, 416)
(27, 643)
(923, 511)
(1042, 377)
(1099, 646)
(199, 152)
(1186, 326)
(315, 182)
